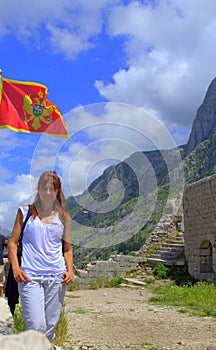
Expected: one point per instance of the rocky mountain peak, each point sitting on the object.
(204, 124)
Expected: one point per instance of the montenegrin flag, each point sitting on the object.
(24, 107)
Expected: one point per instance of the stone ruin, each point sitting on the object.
(199, 203)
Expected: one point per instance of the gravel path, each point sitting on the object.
(121, 318)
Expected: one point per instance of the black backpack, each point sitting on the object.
(11, 289)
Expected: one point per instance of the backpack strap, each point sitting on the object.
(29, 213)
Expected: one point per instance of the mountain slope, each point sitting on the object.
(146, 180)
(121, 208)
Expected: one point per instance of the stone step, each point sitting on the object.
(178, 262)
(134, 281)
(172, 246)
(155, 256)
(166, 255)
(170, 249)
(154, 261)
(175, 241)
(179, 237)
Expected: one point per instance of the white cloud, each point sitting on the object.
(64, 26)
(21, 191)
(170, 58)
(67, 42)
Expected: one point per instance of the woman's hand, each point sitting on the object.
(19, 275)
(68, 277)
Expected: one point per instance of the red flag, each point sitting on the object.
(24, 107)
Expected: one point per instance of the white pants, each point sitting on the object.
(42, 300)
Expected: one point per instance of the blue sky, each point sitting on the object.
(126, 75)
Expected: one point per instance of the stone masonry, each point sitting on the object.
(105, 270)
(199, 204)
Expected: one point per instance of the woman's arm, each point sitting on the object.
(19, 274)
(68, 252)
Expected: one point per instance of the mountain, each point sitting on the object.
(201, 162)
(108, 218)
(204, 124)
(122, 221)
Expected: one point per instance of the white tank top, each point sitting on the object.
(42, 246)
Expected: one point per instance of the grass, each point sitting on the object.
(197, 300)
(100, 283)
(79, 311)
(19, 323)
(61, 332)
(61, 329)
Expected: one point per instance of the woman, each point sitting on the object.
(47, 260)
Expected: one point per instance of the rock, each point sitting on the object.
(204, 122)
(6, 324)
(28, 340)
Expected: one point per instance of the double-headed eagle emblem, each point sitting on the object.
(36, 111)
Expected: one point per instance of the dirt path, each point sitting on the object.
(121, 318)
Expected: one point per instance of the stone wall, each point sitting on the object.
(105, 270)
(199, 204)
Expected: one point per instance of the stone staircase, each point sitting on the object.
(170, 252)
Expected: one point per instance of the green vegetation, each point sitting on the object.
(178, 274)
(97, 284)
(79, 311)
(61, 329)
(110, 283)
(85, 262)
(114, 282)
(19, 323)
(62, 333)
(197, 300)
(148, 344)
(73, 286)
(160, 271)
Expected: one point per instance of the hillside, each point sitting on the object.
(146, 180)
(122, 206)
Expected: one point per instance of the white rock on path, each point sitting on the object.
(28, 340)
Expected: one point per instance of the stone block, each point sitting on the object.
(28, 340)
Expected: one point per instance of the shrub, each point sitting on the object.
(114, 282)
(180, 275)
(160, 271)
